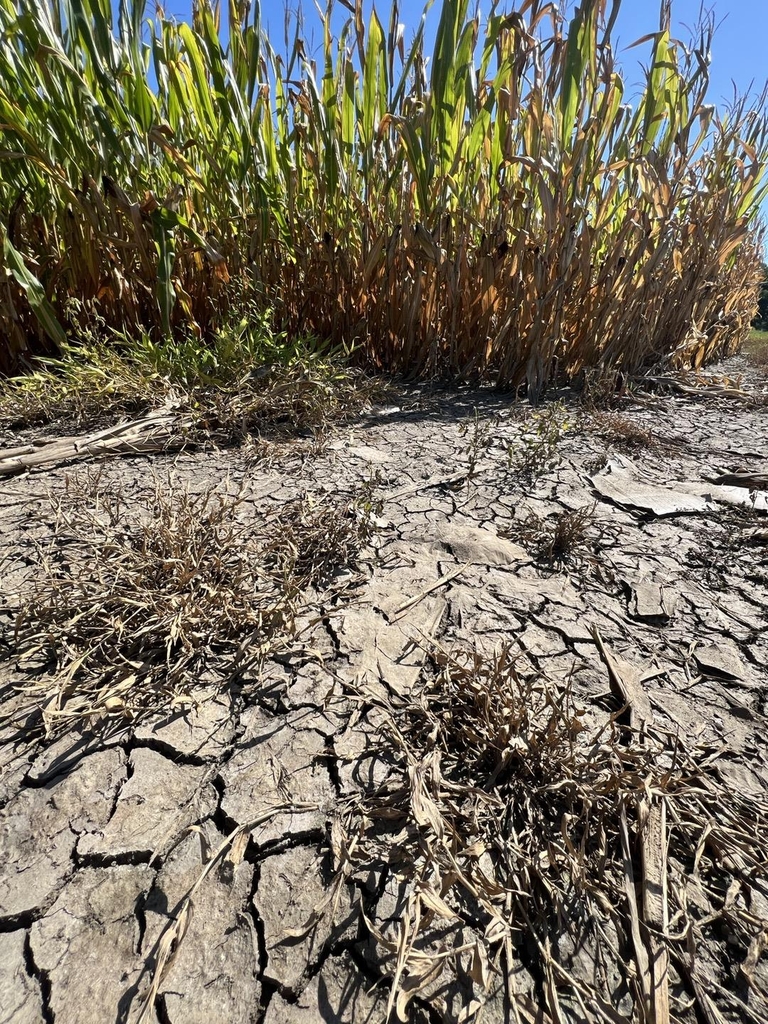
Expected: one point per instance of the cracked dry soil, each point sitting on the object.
(103, 834)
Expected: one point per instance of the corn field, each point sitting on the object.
(496, 209)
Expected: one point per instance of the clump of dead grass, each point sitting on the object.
(610, 865)
(603, 388)
(620, 432)
(316, 540)
(559, 538)
(305, 397)
(133, 601)
(738, 537)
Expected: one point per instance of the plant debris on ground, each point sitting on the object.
(135, 599)
(622, 433)
(442, 788)
(558, 539)
(603, 858)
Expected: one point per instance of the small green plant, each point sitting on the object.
(245, 342)
(530, 454)
(480, 441)
(536, 452)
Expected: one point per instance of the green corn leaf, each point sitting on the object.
(164, 222)
(34, 290)
(374, 81)
(580, 58)
(447, 78)
(197, 64)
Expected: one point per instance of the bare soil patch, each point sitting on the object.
(466, 720)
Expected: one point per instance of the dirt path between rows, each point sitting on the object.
(102, 834)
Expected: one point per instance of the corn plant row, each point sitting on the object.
(501, 208)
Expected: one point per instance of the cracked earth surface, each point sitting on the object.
(102, 835)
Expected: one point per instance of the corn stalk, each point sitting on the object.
(493, 210)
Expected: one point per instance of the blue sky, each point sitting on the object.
(739, 51)
(739, 48)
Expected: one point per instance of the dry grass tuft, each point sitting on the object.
(318, 540)
(132, 602)
(303, 397)
(622, 433)
(607, 865)
(603, 388)
(739, 536)
(559, 538)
